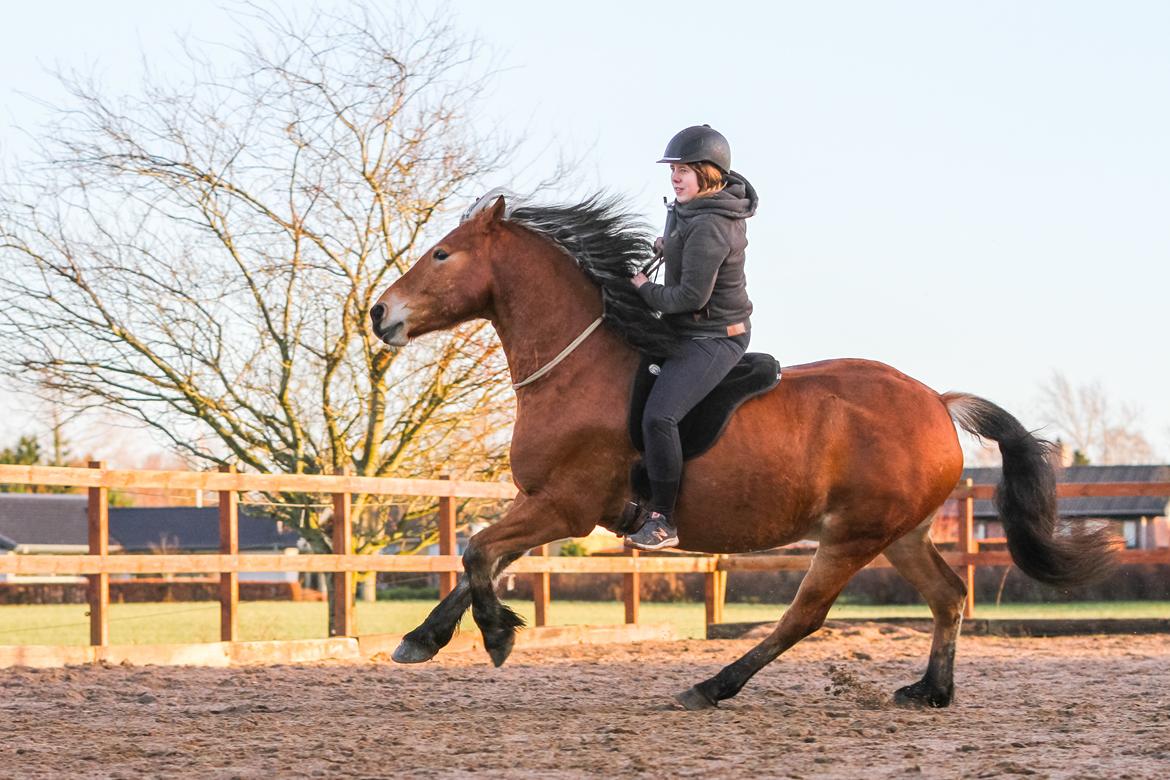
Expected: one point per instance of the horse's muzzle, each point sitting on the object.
(390, 330)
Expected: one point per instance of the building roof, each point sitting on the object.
(187, 529)
(50, 519)
(1104, 507)
(43, 518)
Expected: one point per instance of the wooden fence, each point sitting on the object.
(98, 565)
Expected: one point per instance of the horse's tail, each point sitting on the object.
(1026, 500)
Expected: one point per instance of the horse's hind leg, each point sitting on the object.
(916, 559)
(831, 569)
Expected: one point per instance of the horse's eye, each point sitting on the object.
(440, 254)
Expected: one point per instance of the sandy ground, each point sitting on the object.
(1095, 707)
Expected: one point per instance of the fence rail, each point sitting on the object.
(98, 565)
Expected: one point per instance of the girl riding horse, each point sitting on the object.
(704, 299)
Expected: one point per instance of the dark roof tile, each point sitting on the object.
(44, 518)
(38, 518)
(185, 529)
(1104, 506)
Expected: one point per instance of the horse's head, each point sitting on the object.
(451, 283)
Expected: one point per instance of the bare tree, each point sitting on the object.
(1085, 419)
(201, 257)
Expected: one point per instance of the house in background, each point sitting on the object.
(1140, 520)
(43, 523)
(40, 523)
(184, 529)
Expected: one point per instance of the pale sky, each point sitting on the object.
(975, 193)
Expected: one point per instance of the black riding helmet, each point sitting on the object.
(699, 143)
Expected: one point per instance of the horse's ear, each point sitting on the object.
(496, 212)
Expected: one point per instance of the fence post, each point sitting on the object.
(229, 544)
(715, 591)
(541, 590)
(632, 591)
(968, 545)
(447, 546)
(341, 623)
(98, 521)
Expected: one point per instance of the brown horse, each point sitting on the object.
(851, 453)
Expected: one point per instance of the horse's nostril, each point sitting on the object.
(378, 312)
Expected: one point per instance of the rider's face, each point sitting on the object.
(684, 181)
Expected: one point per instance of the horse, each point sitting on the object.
(850, 453)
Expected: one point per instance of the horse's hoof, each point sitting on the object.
(923, 696)
(499, 651)
(409, 652)
(694, 699)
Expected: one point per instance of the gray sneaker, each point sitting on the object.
(656, 533)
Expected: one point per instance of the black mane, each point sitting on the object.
(610, 244)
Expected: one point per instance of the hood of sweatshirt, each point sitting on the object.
(737, 200)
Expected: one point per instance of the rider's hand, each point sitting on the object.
(658, 243)
(639, 279)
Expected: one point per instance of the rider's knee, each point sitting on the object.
(658, 424)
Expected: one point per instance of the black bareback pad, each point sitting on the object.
(755, 373)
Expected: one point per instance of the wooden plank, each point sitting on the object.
(212, 564)
(632, 591)
(42, 565)
(985, 627)
(1107, 489)
(964, 491)
(1004, 558)
(399, 486)
(714, 594)
(341, 613)
(618, 564)
(541, 590)
(45, 565)
(779, 563)
(1076, 490)
(213, 654)
(301, 651)
(229, 544)
(98, 522)
(210, 480)
(320, 483)
(447, 540)
(968, 545)
(764, 563)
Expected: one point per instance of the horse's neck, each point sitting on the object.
(542, 303)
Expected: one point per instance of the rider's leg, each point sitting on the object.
(685, 380)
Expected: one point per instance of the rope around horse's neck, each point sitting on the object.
(564, 354)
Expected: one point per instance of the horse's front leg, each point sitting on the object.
(536, 521)
(434, 633)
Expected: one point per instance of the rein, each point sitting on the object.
(564, 354)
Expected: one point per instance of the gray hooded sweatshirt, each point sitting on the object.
(704, 242)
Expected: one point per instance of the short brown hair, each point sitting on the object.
(710, 178)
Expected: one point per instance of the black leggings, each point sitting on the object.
(685, 380)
